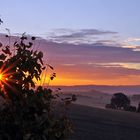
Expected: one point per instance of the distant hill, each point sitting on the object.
(99, 95)
(130, 90)
(85, 93)
(93, 98)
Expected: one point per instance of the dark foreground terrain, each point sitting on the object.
(102, 124)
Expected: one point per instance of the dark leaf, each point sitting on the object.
(23, 38)
(51, 67)
(1, 21)
(51, 77)
(6, 35)
(33, 38)
(43, 68)
(30, 44)
(7, 50)
(41, 61)
(57, 95)
(40, 55)
(15, 43)
(2, 57)
(0, 44)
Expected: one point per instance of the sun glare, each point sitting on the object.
(1, 76)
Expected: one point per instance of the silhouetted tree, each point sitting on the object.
(120, 100)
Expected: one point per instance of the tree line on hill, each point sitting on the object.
(120, 101)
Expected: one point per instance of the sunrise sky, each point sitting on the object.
(87, 41)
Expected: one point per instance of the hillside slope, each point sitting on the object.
(101, 124)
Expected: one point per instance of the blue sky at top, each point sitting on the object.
(39, 16)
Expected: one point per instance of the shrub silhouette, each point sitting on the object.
(130, 108)
(120, 100)
(27, 111)
(111, 106)
(138, 109)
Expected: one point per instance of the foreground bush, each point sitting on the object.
(28, 112)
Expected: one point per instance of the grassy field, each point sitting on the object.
(102, 124)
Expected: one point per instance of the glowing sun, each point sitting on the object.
(1, 77)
